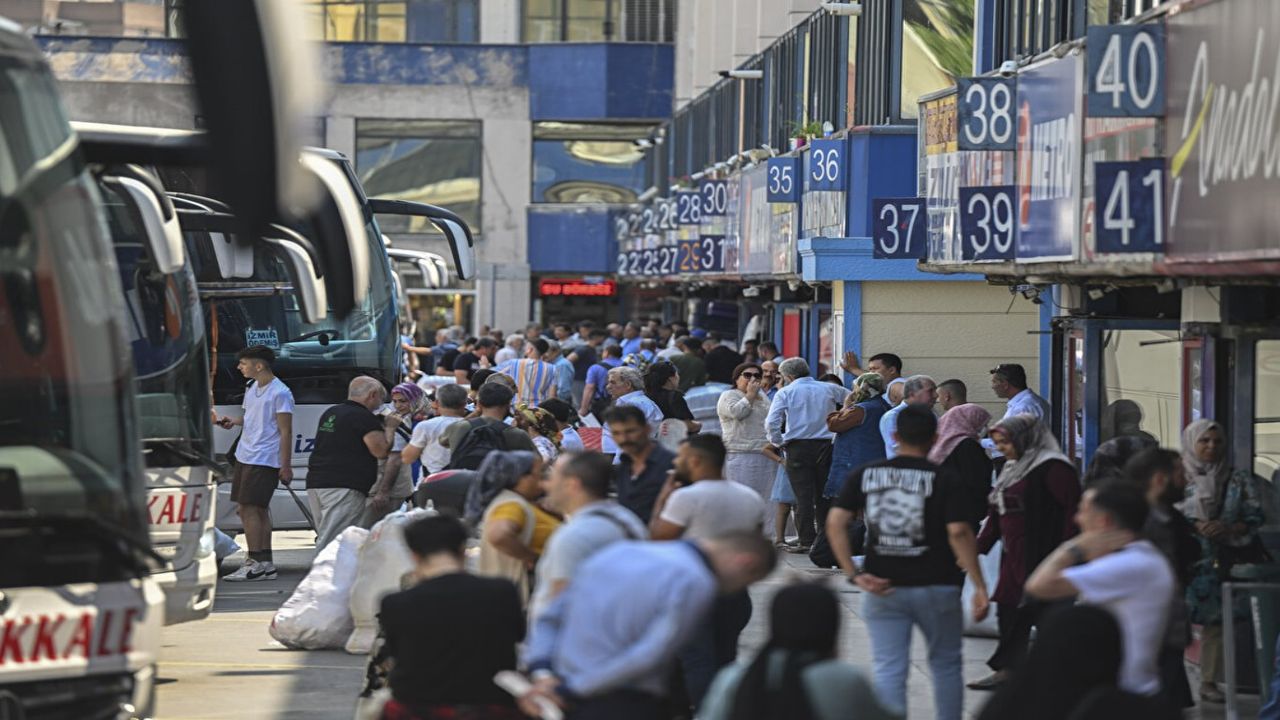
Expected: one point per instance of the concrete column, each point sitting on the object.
(687, 49)
(846, 311)
(500, 21)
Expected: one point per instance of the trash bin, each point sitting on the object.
(1264, 613)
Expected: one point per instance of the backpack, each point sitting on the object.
(484, 438)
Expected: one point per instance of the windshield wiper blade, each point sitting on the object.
(178, 447)
(141, 550)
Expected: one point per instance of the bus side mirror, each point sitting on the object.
(308, 288)
(455, 229)
(256, 83)
(160, 228)
(339, 235)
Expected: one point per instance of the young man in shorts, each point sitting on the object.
(263, 457)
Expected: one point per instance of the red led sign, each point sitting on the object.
(577, 288)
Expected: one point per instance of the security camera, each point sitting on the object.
(698, 175)
(827, 128)
(843, 8)
(1008, 68)
(742, 74)
(751, 291)
(643, 143)
(794, 285)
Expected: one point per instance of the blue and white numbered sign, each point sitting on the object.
(1128, 211)
(1126, 71)
(985, 114)
(827, 165)
(687, 259)
(783, 182)
(711, 254)
(900, 228)
(688, 207)
(715, 198)
(987, 222)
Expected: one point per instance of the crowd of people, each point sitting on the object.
(897, 479)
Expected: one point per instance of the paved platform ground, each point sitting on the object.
(227, 667)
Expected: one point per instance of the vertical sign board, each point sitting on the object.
(755, 219)
(1129, 214)
(714, 233)
(898, 228)
(1050, 103)
(1224, 156)
(1126, 71)
(823, 203)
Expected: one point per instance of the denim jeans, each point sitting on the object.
(935, 609)
(714, 644)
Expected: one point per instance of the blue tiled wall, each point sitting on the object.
(594, 81)
(571, 239)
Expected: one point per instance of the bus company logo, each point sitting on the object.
(174, 508)
(304, 444)
(58, 637)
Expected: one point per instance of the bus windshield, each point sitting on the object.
(166, 334)
(317, 361)
(67, 437)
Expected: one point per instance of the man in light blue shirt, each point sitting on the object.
(803, 405)
(1009, 382)
(564, 370)
(630, 339)
(604, 647)
(918, 390)
(626, 387)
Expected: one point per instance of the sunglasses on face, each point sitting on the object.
(751, 375)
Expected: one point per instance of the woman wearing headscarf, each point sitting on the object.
(513, 529)
(958, 449)
(742, 410)
(1223, 506)
(857, 428)
(1032, 510)
(395, 479)
(796, 675)
(542, 428)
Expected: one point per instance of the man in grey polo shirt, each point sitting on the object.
(577, 486)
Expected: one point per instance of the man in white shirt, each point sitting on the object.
(578, 486)
(263, 457)
(1110, 566)
(450, 406)
(698, 503)
(1009, 382)
(626, 387)
(917, 390)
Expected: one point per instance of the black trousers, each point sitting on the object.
(1174, 687)
(1015, 623)
(714, 644)
(808, 464)
(618, 705)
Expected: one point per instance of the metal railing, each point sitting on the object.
(1229, 641)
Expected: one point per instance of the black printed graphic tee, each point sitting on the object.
(907, 503)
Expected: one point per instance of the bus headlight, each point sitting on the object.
(207, 542)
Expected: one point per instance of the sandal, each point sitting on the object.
(990, 682)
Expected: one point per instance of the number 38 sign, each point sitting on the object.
(985, 114)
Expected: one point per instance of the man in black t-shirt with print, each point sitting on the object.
(918, 532)
(343, 466)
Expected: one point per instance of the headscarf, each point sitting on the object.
(541, 420)
(1035, 446)
(1109, 459)
(1204, 479)
(500, 470)
(960, 422)
(1077, 651)
(414, 394)
(804, 622)
(867, 386)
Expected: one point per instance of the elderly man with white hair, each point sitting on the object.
(343, 466)
(513, 350)
(626, 386)
(802, 407)
(917, 390)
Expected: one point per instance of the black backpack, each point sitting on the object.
(484, 438)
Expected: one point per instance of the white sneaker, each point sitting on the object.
(253, 571)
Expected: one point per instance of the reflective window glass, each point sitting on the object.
(1142, 385)
(574, 162)
(436, 162)
(937, 47)
(417, 21)
(1266, 409)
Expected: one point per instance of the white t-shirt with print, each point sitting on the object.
(260, 440)
(710, 508)
(1136, 585)
(426, 436)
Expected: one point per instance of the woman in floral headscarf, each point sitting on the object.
(542, 428)
(857, 429)
(1032, 509)
(395, 479)
(1224, 507)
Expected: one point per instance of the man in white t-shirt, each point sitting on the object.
(1110, 566)
(695, 504)
(450, 406)
(263, 457)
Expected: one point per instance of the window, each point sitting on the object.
(581, 163)
(547, 21)
(1109, 12)
(1029, 27)
(937, 47)
(431, 161)
(414, 21)
(1266, 409)
(1142, 385)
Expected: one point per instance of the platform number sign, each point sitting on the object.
(827, 165)
(900, 229)
(687, 256)
(987, 222)
(1126, 71)
(985, 114)
(711, 254)
(1128, 211)
(783, 182)
(715, 198)
(666, 211)
(688, 207)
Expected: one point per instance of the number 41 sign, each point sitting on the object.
(1129, 206)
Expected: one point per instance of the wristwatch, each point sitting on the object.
(1076, 554)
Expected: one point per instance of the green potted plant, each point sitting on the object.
(802, 133)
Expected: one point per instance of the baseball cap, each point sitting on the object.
(1012, 372)
(698, 333)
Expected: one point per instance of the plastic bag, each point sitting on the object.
(990, 564)
(384, 561)
(224, 546)
(317, 616)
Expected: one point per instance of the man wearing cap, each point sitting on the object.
(1009, 382)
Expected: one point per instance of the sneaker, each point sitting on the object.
(252, 571)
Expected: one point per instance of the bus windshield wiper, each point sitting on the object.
(179, 447)
(135, 551)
